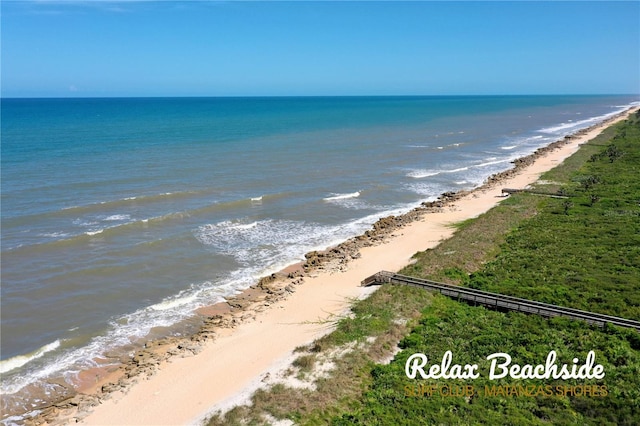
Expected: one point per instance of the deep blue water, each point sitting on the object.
(119, 215)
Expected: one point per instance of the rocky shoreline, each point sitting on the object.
(99, 385)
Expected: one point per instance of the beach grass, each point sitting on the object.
(370, 334)
(472, 333)
(582, 251)
(475, 241)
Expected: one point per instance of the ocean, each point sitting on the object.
(120, 217)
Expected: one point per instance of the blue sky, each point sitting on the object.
(202, 48)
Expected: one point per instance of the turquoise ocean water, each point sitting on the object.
(120, 216)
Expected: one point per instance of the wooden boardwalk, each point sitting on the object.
(510, 191)
(499, 301)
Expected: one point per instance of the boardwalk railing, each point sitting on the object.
(499, 301)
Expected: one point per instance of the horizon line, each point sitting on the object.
(311, 96)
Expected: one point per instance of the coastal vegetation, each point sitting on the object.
(580, 250)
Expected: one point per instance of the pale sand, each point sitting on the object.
(184, 390)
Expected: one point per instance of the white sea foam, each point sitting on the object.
(122, 332)
(350, 201)
(460, 169)
(426, 189)
(55, 234)
(492, 161)
(632, 104)
(116, 217)
(571, 126)
(81, 222)
(419, 174)
(99, 207)
(439, 147)
(246, 226)
(127, 222)
(270, 243)
(174, 302)
(20, 360)
(61, 236)
(474, 174)
(514, 143)
(252, 243)
(336, 197)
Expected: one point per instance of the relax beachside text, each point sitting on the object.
(501, 366)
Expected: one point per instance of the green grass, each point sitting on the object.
(577, 160)
(475, 241)
(587, 257)
(472, 333)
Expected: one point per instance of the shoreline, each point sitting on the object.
(178, 379)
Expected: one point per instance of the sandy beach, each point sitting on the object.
(228, 368)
